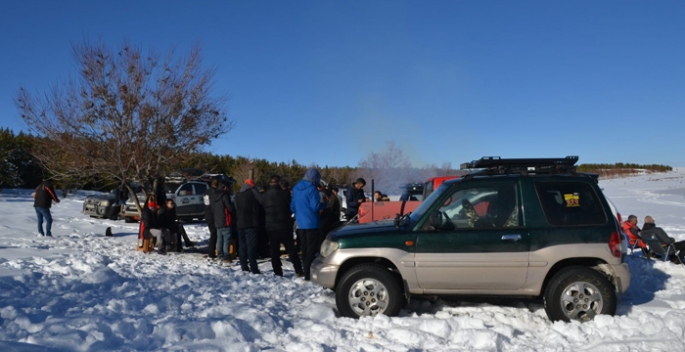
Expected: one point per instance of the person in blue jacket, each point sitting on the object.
(307, 206)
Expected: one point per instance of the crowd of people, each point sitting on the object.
(256, 218)
(270, 212)
(636, 237)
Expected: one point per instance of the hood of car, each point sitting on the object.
(100, 197)
(141, 199)
(353, 230)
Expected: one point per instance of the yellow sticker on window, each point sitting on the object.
(572, 199)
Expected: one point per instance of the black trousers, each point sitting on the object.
(310, 246)
(247, 249)
(212, 239)
(178, 236)
(275, 240)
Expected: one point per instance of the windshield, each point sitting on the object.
(418, 213)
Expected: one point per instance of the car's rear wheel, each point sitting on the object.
(579, 293)
(368, 290)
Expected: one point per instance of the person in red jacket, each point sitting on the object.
(43, 197)
(632, 231)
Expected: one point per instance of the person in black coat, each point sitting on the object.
(649, 229)
(248, 206)
(169, 221)
(330, 218)
(43, 197)
(222, 209)
(279, 226)
(209, 217)
(355, 197)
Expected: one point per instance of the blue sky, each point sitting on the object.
(328, 82)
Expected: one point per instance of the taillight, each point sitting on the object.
(620, 221)
(615, 244)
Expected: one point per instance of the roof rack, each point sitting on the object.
(497, 165)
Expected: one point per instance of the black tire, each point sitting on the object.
(367, 290)
(128, 220)
(579, 293)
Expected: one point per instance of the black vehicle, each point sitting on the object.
(103, 206)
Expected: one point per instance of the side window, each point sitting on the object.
(200, 188)
(492, 206)
(570, 203)
(186, 190)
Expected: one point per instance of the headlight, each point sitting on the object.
(328, 247)
(104, 203)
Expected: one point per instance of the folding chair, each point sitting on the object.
(636, 243)
(662, 251)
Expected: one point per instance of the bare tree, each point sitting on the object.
(129, 115)
(389, 168)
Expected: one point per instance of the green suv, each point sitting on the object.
(511, 227)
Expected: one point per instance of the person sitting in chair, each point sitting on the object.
(632, 231)
(168, 220)
(149, 225)
(651, 230)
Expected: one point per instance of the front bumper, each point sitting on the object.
(323, 273)
(96, 210)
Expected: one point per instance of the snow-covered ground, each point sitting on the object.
(81, 291)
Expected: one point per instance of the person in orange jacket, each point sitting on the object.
(631, 229)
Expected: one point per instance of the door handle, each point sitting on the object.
(511, 237)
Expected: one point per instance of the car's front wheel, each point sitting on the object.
(579, 293)
(368, 290)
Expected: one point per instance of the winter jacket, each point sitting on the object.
(248, 207)
(650, 230)
(207, 200)
(222, 208)
(353, 196)
(306, 203)
(331, 215)
(167, 219)
(632, 231)
(148, 220)
(44, 195)
(277, 215)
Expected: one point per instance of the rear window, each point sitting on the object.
(570, 203)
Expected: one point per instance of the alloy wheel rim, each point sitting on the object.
(368, 297)
(581, 301)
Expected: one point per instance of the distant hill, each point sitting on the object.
(622, 169)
